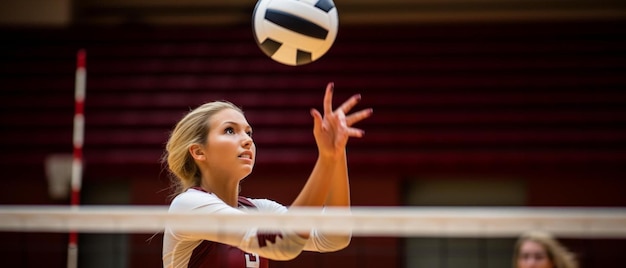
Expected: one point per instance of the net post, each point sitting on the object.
(77, 156)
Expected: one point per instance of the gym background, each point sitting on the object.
(477, 103)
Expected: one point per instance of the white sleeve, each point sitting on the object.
(276, 245)
(320, 242)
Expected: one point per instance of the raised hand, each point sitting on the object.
(333, 130)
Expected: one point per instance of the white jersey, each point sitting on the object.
(178, 246)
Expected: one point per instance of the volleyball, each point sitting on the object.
(295, 32)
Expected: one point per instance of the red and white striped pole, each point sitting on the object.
(78, 137)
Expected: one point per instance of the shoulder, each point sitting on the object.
(266, 205)
(192, 199)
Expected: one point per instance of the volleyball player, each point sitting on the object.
(211, 150)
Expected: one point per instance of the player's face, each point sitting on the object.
(533, 255)
(230, 149)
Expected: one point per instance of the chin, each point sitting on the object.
(246, 172)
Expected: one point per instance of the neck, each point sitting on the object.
(227, 192)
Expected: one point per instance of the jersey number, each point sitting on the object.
(252, 260)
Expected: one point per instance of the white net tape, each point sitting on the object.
(361, 221)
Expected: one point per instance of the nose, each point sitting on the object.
(247, 142)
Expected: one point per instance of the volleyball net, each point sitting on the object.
(360, 221)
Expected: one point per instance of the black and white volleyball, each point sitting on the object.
(295, 32)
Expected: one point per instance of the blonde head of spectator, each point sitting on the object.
(541, 250)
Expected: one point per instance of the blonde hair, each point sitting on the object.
(193, 128)
(558, 254)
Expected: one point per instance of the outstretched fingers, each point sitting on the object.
(350, 103)
(358, 116)
(355, 132)
(339, 119)
(317, 119)
(328, 98)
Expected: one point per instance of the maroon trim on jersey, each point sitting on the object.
(199, 189)
(213, 254)
(245, 202)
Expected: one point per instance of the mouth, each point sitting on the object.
(246, 155)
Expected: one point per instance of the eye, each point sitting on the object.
(249, 133)
(229, 130)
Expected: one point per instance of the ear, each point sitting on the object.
(197, 152)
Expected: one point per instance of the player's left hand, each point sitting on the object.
(333, 130)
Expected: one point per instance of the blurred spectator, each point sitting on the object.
(537, 249)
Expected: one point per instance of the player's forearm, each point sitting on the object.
(339, 192)
(315, 190)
